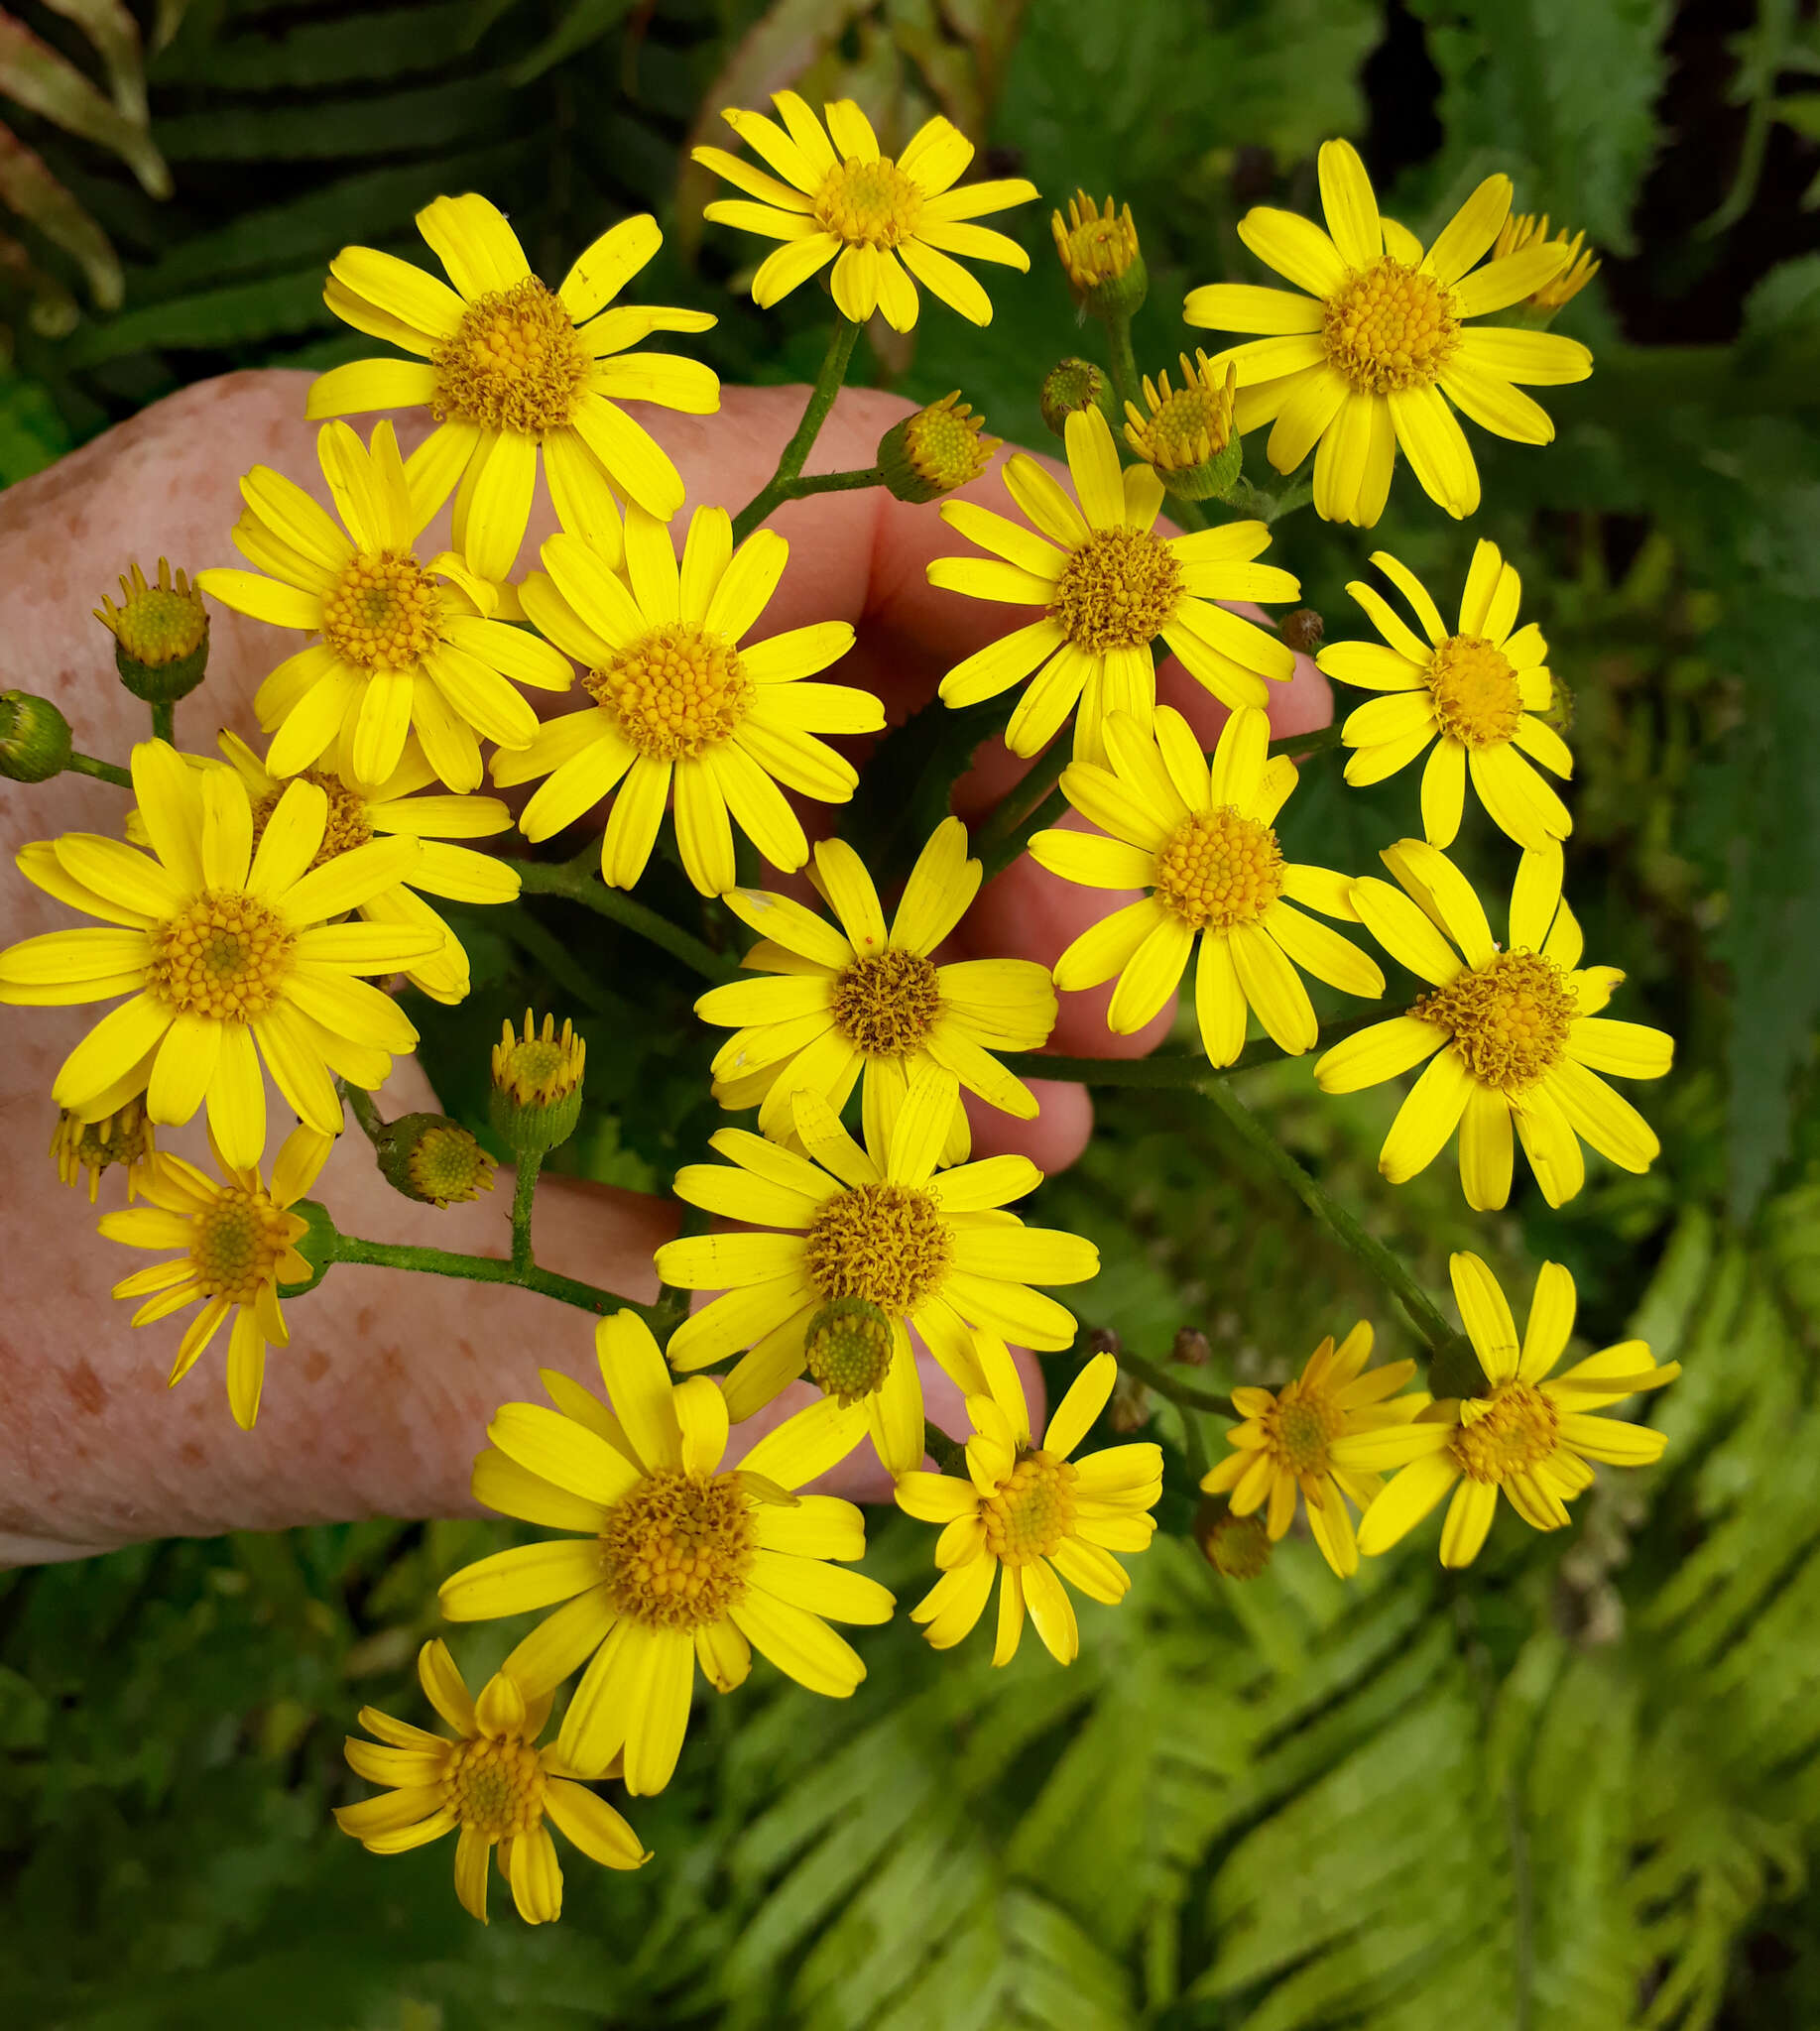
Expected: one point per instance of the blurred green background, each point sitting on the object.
(1576, 1789)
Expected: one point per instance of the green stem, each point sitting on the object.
(831, 483)
(1265, 505)
(1296, 746)
(775, 491)
(485, 1269)
(523, 1192)
(1024, 809)
(103, 772)
(1173, 1070)
(1345, 1229)
(575, 880)
(1123, 360)
(365, 1111)
(1184, 1396)
(164, 720)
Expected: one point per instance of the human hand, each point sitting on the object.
(381, 1400)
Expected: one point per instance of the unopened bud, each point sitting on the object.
(1237, 1547)
(1072, 386)
(1560, 712)
(1190, 1349)
(537, 1086)
(938, 449)
(123, 1138)
(33, 738)
(847, 1349)
(433, 1160)
(1524, 229)
(1303, 630)
(1099, 254)
(161, 635)
(316, 1246)
(1187, 438)
(1130, 1410)
(1103, 1340)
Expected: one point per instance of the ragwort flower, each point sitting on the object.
(1372, 356)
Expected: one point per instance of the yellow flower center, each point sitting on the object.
(677, 1549)
(1219, 870)
(847, 1349)
(447, 1165)
(383, 612)
(348, 825)
(541, 1066)
(886, 1005)
(1117, 591)
(1301, 1427)
(887, 1244)
(160, 624)
(1096, 243)
(1507, 1433)
(1475, 690)
(513, 363)
(224, 954)
(869, 205)
(1509, 1019)
(1190, 425)
(240, 1240)
(674, 692)
(496, 1787)
(1033, 1511)
(943, 443)
(1391, 327)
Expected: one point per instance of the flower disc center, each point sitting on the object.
(1514, 1430)
(1219, 870)
(847, 1349)
(1117, 591)
(239, 1242)
(383, 612)
(886, 1005)
(869, 203)
(674, 692)
(1509, 1019)
(1033, 1511)
(513, 363)
(1475, 690)
(887, 1244)
(678, 1548)
(494, 1786)
(1301, 1428)
(224, 954)
(1389, 328)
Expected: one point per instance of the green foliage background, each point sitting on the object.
(1578, 1789)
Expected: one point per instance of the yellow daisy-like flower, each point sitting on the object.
(405, 647)
(1525, 1434)
(1109, 586)
(492, 1782)
(1475, 693)
(239, 1243)
(1513, 1034)
(1030, 1514)
(932, 1252)
(682, 1562)
(861, 999)
(841, 198)
(1371, 357)
(510, 367)
(357, 815)
(1285, 1444)
(1524, 229)
(1203, 840)
(123, 1138)
(678, 702)
(230, 956)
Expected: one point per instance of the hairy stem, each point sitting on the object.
(523, 1192)
(775, 489)
(578, 882)
(1313, 742)
(365, 1110)
(103, 772)
(164, 720)
(486, 1269)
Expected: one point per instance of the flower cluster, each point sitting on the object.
(627, 670)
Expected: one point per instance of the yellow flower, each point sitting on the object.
(684, 1562)
(230, 956)
(1475, 693)
(932, 1251)
(1286, 1443)
(1513, 1033)
(841, 196)
(400, 651)
(122, 1138)
(1370, 358)
(839, 1002)
(1522, 229)
(1097, 247)
(494, 1783)
(357, 815)
(1109, 585)
(238, 1242)
(677, 699)
(1186, 433)
(508, 367)
(1522, 1433)
(1030, 1514)
(1203, 840)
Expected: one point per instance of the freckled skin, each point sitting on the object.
(381, 1400)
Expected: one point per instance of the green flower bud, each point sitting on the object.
(1073, 385)
(537, 1086)
(316, 1246)
(433, 1160)
(847, 1348)
(1187, 439)
(161, 635)
(1237, 1547)
(938, 449)
(33, 738)
(1100, 257)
